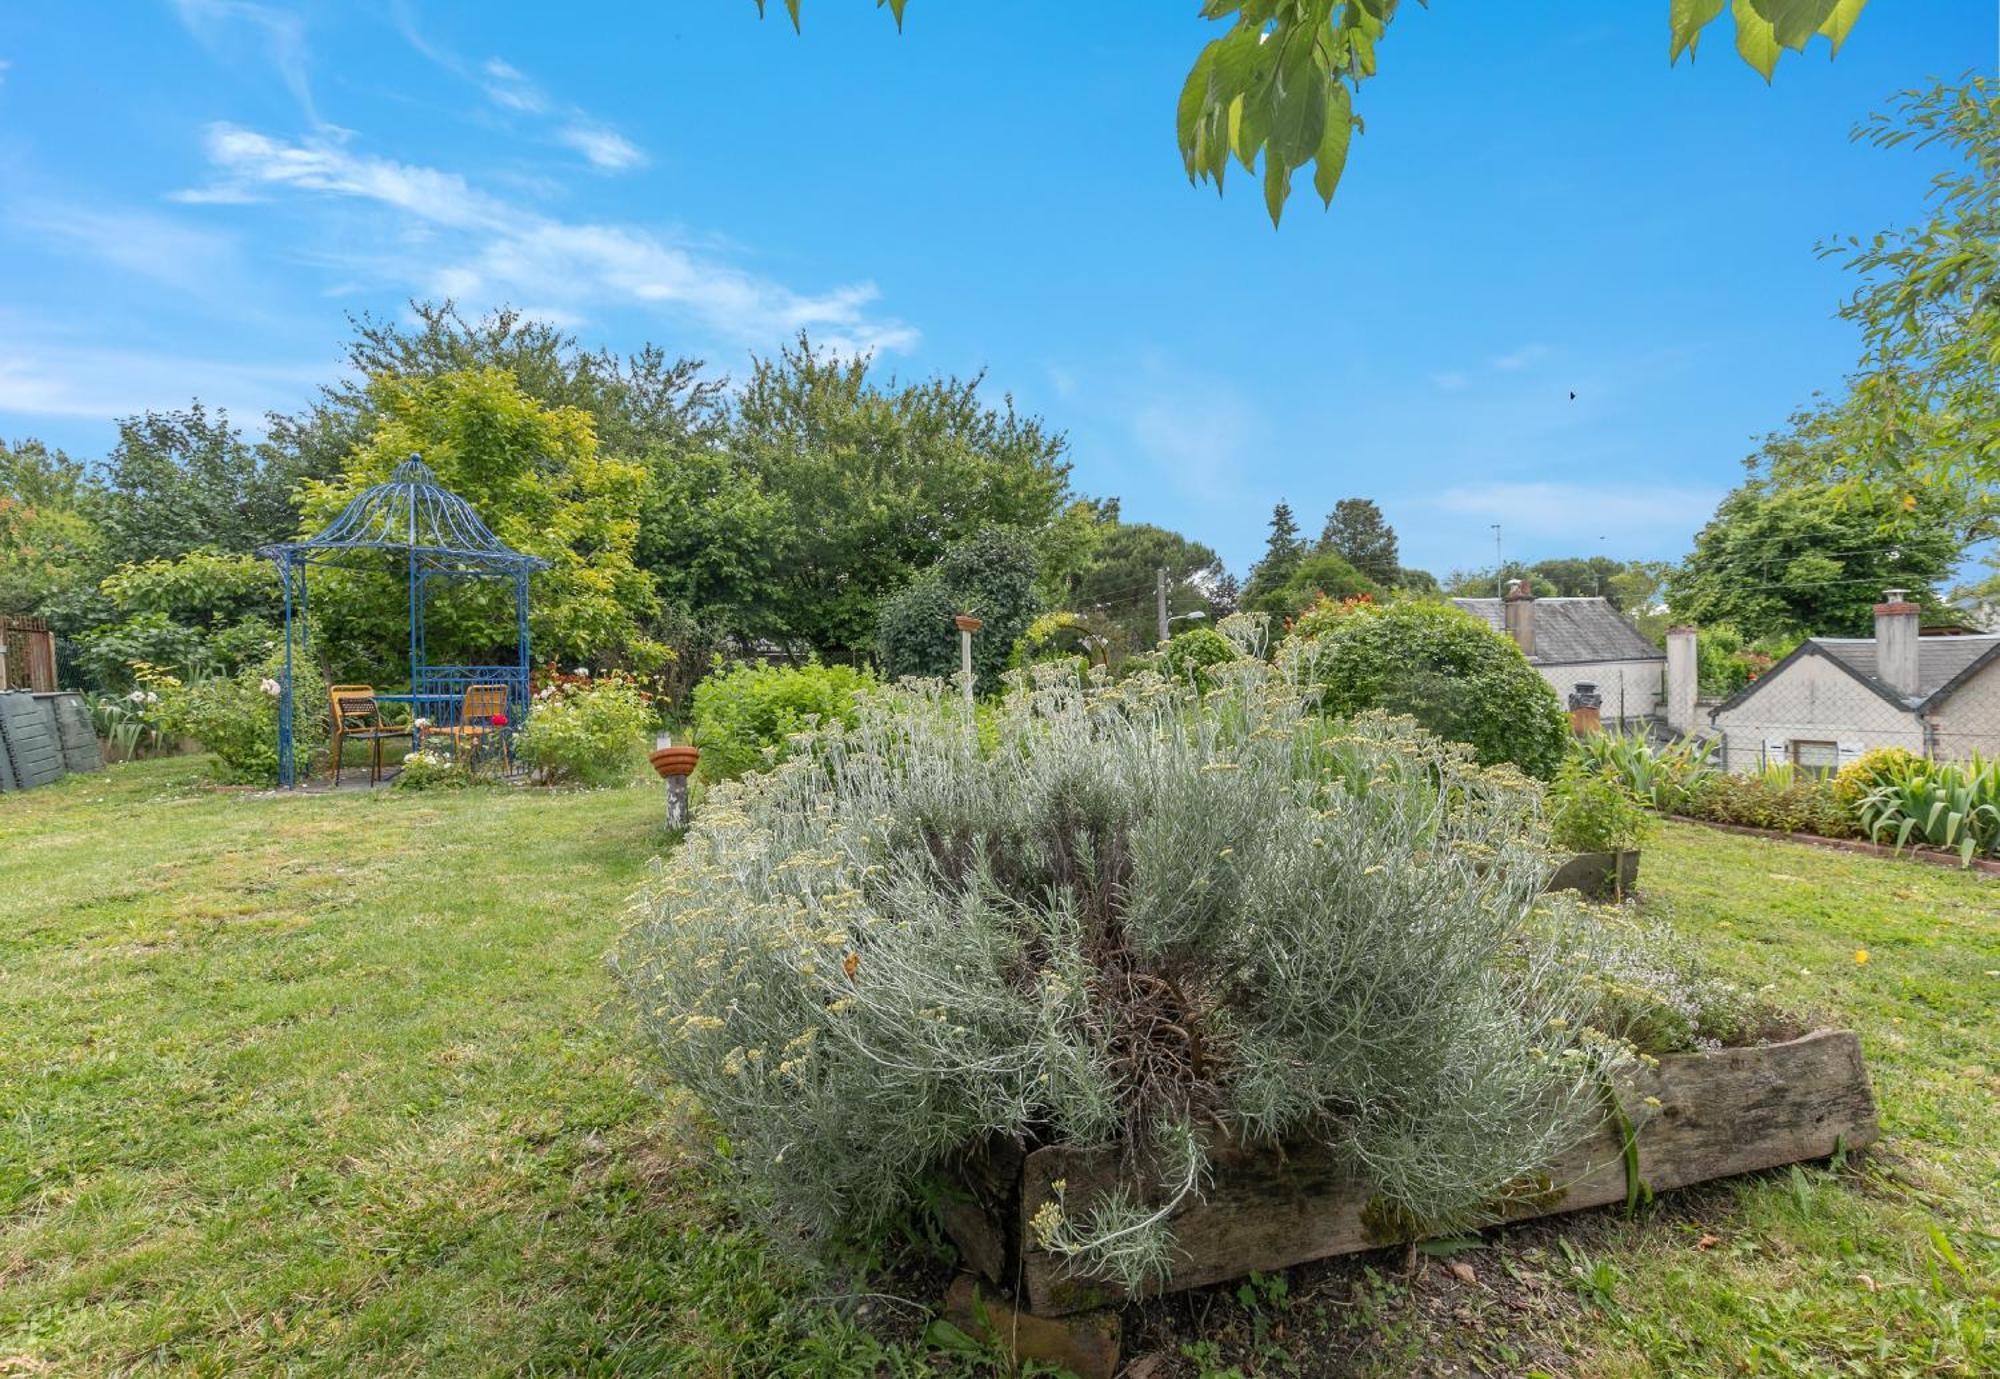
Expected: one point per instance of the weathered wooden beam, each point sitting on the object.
(1721, 1113)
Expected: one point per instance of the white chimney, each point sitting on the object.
(1519, 614)
(1683, 679)
(1896, 630)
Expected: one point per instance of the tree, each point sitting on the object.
(992, 577)
(535, 476)
(1781, 559)
(1356, 532)
(1283, 550)
(51, 551)
(1444, 667)
(1116, 584)
(178, 480)
(642, 404)
(1924, 405)
(876, 482)
(1281, 82)
(1322, 575)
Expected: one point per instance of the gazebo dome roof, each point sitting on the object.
(416, 514)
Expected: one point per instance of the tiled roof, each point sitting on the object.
(1568, 631)
(1940, 660)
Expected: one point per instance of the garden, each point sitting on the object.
(545, 860)
(346, 1081)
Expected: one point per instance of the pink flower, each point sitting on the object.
(499, 720)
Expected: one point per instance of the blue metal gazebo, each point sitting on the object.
(440, 538)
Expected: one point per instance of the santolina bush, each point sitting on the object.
(1129, 918)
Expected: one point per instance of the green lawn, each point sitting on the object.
(336, 1084)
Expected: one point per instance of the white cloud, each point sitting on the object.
(281, 35)
(152, 246)
(40, 378)
(1580, 513)
(1451, 380)
(507, 85)
(605, 148)
(1524, 357)
(464, 242)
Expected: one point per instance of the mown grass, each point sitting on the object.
(337, 1084)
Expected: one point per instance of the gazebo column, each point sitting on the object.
(285, 772)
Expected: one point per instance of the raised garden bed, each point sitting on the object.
(1598, 875)
(1717, 1114)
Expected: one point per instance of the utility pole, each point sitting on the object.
(1160, 598)
(1499, 565)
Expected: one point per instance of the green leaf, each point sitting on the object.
(1194, 97)
(1331, 160)
(1755, 41)
(1447, 1246)
(1837, 25)
(942, 1335)
(1298, 107)
(1793, 22)
(1277, 186)
(895, 8)
(1686, 19)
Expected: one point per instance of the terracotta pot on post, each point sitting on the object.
(675, 764)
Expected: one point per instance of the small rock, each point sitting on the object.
(1462, 1271)
(1086, 1344)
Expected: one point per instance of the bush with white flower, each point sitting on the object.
(586, 730)
(432, 769)
(235, 717)
(1126, 918)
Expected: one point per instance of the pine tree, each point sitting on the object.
(1283, 551)
(1356, 532)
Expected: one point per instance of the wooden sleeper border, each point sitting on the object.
(1720, 1113)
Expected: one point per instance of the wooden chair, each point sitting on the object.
(356, 715)
(476, 712)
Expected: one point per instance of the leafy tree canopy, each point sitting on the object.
(1786, 559)
(1281, 82)
(1924, 404)
(1116, 585)
(181, 479)
(1632, 585)
(1283, 550)
(1357, 532)
(637, 403)
(874, 481)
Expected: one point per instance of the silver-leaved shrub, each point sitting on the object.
(1130, 917)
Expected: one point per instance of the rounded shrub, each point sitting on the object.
(1187, 657)
(744, 718)
(1872, 770)
(586, 733)
(992, 577)
(1123, 918)
(1443, 667)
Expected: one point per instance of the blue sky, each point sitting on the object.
(194, 194)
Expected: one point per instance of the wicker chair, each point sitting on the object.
(476, 712)
(357, 716)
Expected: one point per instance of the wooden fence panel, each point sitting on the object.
(27, 655)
